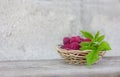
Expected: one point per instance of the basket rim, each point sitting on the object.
(64, 50)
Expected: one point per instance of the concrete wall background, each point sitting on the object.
(30, 29)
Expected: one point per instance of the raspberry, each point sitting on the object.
(87, 40)
(82, 39)
(66, 40)
(72, 43)
(75, 46)
(75, 39)
(66, 46)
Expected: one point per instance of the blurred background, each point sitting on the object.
(31, 29)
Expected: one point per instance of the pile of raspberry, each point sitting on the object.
(73, 43)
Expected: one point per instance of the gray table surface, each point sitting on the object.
(107, 67)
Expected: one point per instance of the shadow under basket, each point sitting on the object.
(76, 56)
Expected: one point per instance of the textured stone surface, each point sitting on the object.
(30, 29)
(103, 15)
(107, 67)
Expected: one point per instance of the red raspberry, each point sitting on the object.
(66, 40)
(87, 40)
(66, 46)
(75, 39)
(75, 46)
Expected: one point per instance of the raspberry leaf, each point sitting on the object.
(104, 46)
(95, 45)
(101, 38)
(85, 43)
(97, 34)
(87, 34)
(92, 57)
(87, 48)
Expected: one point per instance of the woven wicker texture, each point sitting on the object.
(75, 56)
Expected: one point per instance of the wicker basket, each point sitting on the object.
(75, 56)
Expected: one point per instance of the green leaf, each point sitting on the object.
(92, 57)
(97, 34)
(84, 44)
(104, 46)
(88, 48)
(101, 38)
(95, 46)
(87, 34)
(85, 48)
